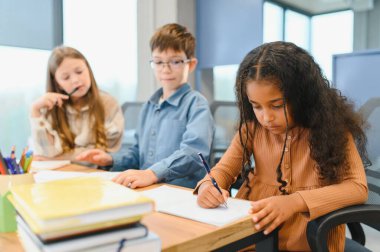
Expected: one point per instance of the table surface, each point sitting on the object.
(176, 233)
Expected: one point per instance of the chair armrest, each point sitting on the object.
(264, 243)
(317, 230)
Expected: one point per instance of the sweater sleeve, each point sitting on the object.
(45, 139)
(351, 191)
(226, 171)
(114, 123)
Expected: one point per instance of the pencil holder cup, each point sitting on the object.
(7, 211)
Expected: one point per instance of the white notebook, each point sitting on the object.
(45, 175)
(183, 203)
(48, 165)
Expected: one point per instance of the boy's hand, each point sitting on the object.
(95, 156)
(136, 178)
(209, 196)
(271, 212)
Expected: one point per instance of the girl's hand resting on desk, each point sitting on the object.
(48, 101)
(210, 197)
(271, 212)
(136, 178)
(95, 156)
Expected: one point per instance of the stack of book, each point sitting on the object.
(82, 214)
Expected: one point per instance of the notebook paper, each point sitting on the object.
(183, 203)
(48, 165)
(44, 176)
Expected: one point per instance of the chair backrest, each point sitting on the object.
(131, 112)
(371, 112)
(226, 115)
(357, 76)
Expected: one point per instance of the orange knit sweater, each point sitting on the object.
(299, 169)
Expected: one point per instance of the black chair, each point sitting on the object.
(131, 112)
(264, 243)
(226, 116)
(368, 213)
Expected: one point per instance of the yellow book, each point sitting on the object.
(52, 233)
(77, 202)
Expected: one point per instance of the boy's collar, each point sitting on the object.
(174, 99)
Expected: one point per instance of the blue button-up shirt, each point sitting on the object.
(169, 136)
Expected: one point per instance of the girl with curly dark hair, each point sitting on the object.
(306, 141)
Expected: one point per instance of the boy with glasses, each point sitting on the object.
(174, 124)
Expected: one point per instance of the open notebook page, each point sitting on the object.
(44, 176)
(48, 165)
(183, 203)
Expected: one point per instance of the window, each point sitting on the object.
(297, 29)
(273, 22)
(106, 34)
(326, 41)
(224, 79)
(316, 34)
(107, 37)
(23, 78)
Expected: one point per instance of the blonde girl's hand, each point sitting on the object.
(48, 101)
(209, 196)
(269, 213)
(95, 156)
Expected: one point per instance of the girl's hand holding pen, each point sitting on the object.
(210, 197)
(214, 184)
(48, 101)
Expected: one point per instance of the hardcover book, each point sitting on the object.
(77, 203)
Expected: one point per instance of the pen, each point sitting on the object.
(28, 161)
(13, 152)
(3, 165)
(22, 160)
(205, 165)
(11, 169)
(13, 162)
(73, 91)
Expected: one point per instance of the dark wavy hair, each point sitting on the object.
(314, 105)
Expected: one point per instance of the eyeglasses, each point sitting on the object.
(174, 64)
